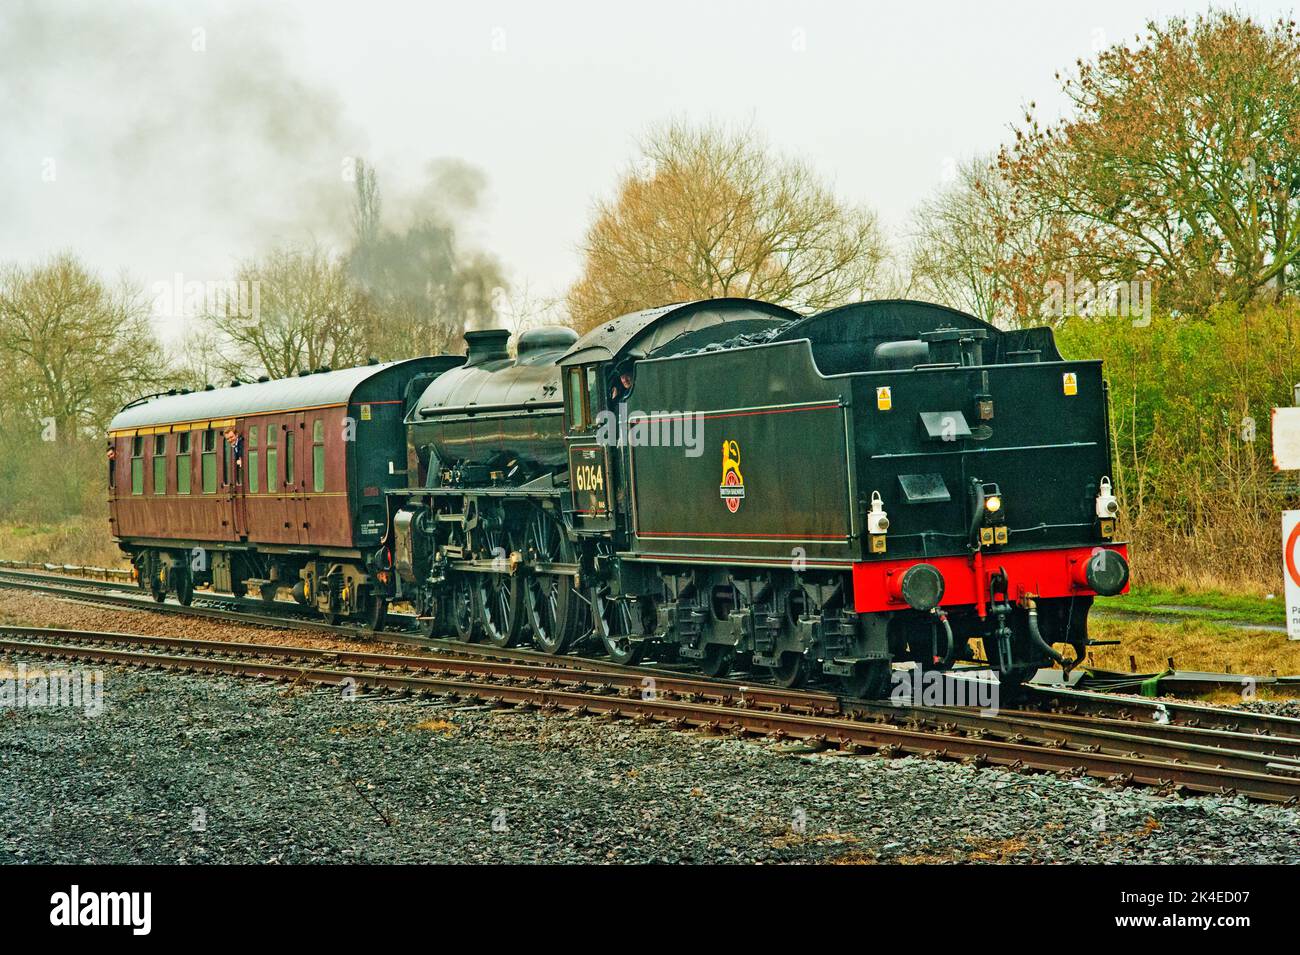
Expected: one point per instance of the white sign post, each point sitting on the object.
(1291, 571)
(1286, 439)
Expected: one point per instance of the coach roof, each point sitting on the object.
(284, 394)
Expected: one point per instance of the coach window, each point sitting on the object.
(184, 463)
(318, 455)
(160, 464)
(253, 460)
(208, 459)
(137, 465)
(272, 458)
(228, 474)
(290, 440)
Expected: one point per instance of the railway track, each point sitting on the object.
(210, 605)
(1164, 713)
(402, 630)
(281, 615)
(1205, 760)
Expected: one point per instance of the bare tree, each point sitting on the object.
(520, 308)
(712, 212)
(74, 349)
(309, 315)
(970, 246)
(199, 359)
(366, 206)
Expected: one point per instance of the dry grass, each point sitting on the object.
(78, 540)
(438, 726)
(1194, 646)
(1241, 557)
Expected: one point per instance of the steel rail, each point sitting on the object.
(1284, 747)
(1071, 702)
(849, 734)
(688, 688)
(1016, 725)
(1237, 736)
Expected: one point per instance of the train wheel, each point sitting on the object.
(717, 660)
(334, 609)
(869, 681)
(791, 671)
(615, 624)
(267, 592)
(552, 611)
(552, 602)
(499, 606)
(184, 588)
(464, 613)
(376, 612)
(153, 574)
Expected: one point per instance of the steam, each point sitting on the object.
(169, 140)
(152, 129)
(407, 252)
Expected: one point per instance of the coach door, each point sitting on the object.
(234, 443)
(279, 502)
(297, 480)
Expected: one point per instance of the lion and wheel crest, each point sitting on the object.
(733, 483)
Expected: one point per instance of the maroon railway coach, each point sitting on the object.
(269, 485)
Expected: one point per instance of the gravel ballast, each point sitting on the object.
(198, 769)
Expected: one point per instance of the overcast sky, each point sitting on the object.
(180, 137)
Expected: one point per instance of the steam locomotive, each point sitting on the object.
(724, 482)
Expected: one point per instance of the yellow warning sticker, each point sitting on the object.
(884, 399)
(365, 412)
(1070, 383)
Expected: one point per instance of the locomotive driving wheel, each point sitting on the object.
(618, 625)
(464, 612)
(499, 596)
(551, 599)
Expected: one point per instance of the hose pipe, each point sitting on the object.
(1037, 637)
(950, 644)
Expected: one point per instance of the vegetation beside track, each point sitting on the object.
(83, 540)
(1193, 645)
(1207, 606)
